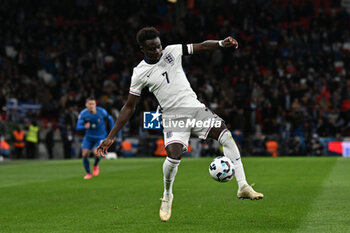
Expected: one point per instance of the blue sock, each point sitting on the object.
(86, 163)
(97, 159)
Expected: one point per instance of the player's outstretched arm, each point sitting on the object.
(215, 44)
(124, 116)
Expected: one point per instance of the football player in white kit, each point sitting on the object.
(161, 71)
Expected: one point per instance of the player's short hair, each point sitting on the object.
(90, 98)
(146, 33)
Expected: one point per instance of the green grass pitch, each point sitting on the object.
(301, 195)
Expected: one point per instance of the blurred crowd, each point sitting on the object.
(288, 81)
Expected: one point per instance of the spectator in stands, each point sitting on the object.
(32, 139)
(272, 147)
(338, 137)
(258, 147)
(67, 135)
(317, 147)
(205, 148)
(18, 141)
(4, 148)
(295, 147)
(126, 149)
(49, 140)
(237, 135)
(208, 148)
(160, 149)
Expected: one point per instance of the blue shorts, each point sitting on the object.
(89, 143)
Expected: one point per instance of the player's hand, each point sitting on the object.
(87, 125)
(229, 42)
(102, 149)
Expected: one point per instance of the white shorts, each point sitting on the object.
(183, 137)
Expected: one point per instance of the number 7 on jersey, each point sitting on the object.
(166, 76)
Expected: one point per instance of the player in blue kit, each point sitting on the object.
(97, 122)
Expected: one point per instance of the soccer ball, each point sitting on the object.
(221, 169)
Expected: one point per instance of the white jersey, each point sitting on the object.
(166, 79)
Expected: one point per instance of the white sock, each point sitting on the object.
(231, 151)
(169, 171)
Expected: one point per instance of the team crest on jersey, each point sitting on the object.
(169, 59)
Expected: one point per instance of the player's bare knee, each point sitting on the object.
(85, 153)
(174, 151)
(215, 132)
(174, 154)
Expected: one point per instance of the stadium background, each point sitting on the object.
(287, 82)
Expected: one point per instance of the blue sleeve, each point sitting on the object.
(111, 122)
(80, 123)
(102, 112)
